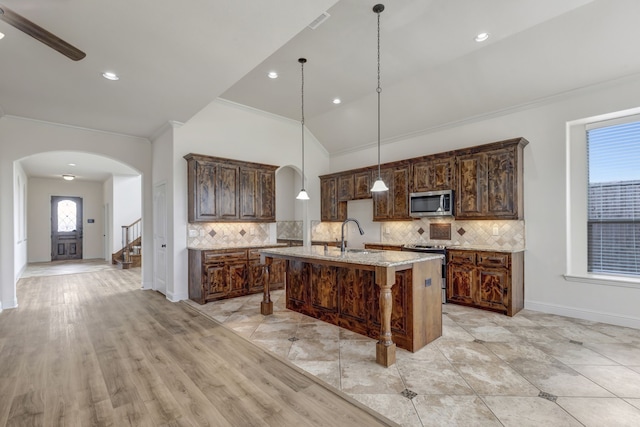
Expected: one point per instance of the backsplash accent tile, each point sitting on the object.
(511, 233)
(208, 234)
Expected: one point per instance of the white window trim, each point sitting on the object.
(576, 199)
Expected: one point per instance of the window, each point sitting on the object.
(613, 199)
(66, 216)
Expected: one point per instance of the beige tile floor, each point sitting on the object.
(487, 369)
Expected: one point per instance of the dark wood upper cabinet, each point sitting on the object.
(229, 190)
(345, 187)
(330, 208)
(393, 205)
(362, 185)
(431, 173)
(489, 181)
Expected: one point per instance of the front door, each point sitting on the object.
(66, 228)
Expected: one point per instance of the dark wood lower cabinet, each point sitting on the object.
(489, 280)
(227, 273)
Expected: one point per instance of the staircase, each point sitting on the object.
(131, 253)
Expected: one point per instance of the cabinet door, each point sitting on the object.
(266, 210)
(442, 173)
(323, 288)
(352, 299)
(421, 173)
(277, 273)
(461, 283)
(399, 192)
(248, 193)
(493, 287)
(237, 276)
(501, 183)
(362, 185)
(228, 192)
(330, 208)
(345, 187)
(383, 201)
(297, 276)
(255, 275)
(433, 173)
(203, 177)
(215, 281)
(471, 177)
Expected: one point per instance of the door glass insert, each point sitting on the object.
(67, 215)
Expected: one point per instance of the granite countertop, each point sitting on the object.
(373, 257)
(237, 246)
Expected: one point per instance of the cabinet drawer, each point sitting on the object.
(254, 254)
(462, 257)
(491, 259)
(210, 257)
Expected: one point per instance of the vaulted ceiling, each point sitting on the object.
(174, 58)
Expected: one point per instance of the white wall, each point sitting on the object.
(39, 216)
(544, 125)
(228, 130)
(20, 194)
(20, 138)
(287, 188)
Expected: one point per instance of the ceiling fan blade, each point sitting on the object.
(39, 33)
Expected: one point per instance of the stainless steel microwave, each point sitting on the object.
(431, 203)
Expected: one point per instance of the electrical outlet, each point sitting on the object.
(193, 233)
(496, 230)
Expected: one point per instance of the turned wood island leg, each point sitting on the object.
(385, 347)
(266, 306)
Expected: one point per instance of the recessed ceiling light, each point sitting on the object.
(110, 76)
(481, 37)
(68, 177)
(72, 164)
(1, 36)
(272, 75)
(337, 101)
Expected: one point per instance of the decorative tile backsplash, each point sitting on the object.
(323, 231)
(208, 234)
(509, 234)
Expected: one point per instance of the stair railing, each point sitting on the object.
(130, 233)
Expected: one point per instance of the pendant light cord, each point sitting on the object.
(379, 90)
(302, 61)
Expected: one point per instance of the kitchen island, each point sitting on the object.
(388, 295)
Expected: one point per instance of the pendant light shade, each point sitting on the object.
(379, 185)
(302, 195)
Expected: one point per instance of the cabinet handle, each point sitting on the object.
(163, 246)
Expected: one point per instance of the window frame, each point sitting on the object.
(577, 180)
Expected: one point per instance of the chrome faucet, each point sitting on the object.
(342, 245)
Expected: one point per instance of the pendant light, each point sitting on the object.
(379, 185)
(302, 195)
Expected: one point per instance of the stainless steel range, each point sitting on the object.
(433, 249)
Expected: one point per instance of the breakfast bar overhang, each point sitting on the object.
(389, 295)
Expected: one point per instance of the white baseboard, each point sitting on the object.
(595, 316)
(147, 285)
(176, 297)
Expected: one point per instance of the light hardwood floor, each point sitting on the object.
(93, 349)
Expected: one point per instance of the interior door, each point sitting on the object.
(66, 228)
(160, 238)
